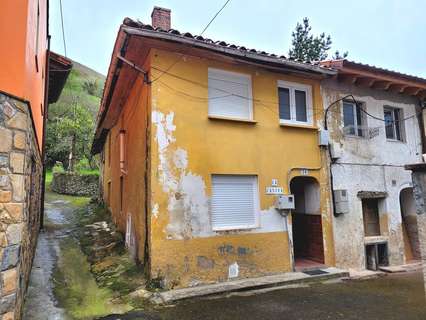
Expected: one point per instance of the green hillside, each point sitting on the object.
(73, 116)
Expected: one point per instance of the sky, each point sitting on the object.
(386, 33)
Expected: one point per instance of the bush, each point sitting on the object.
(82, 165)
(58, 167)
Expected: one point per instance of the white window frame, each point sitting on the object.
(356, 124)
(220, 74)
(401, 129)
(293, 86)
(256, 205)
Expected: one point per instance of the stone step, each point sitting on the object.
(289, 278)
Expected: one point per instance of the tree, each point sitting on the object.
(307, 47)
(70, 127)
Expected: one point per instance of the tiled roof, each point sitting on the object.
(197, 40)
(349, 63)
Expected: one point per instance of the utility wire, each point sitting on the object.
(192, 44)
(262, 102)
(63, 29)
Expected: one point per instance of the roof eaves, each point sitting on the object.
(224, 48)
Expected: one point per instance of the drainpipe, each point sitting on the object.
(45, 117)
(420, 119)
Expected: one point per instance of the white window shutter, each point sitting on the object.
(235, 202)
(229, 94)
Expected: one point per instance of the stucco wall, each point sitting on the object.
(370, 164)
(20, 76)
(188, 147)
(133, 121)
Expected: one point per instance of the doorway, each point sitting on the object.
(410, 231)
(307, 224)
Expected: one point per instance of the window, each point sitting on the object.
(353, 119)
(370, 213)
(235, 202)
(295, 103)
(230, 95)
(392, 123)
(121, 193)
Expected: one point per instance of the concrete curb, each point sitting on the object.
(246, 284)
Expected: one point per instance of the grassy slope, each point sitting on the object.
(74, 88)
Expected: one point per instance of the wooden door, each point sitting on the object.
(370, 212)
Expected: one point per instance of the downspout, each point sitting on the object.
(420, 119)
(45, 117)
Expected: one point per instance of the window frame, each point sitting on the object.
(221, 73)
(292, 87)
(256, 205)
(356, 124)
(394, 124)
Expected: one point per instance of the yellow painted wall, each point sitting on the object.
(180, 125)
(133, 120)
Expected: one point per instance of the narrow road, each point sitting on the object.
(62, 287)
(40, 302)
(61, 284)
(394, 297)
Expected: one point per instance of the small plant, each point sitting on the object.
(58, 167)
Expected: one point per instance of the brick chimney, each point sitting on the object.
(161, 18)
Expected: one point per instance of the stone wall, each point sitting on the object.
(20, 182)
(75, 184)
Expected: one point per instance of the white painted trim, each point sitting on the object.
(292, 86)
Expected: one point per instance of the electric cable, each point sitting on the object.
(192, 44)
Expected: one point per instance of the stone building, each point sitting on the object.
(24, 96)
(375, 123)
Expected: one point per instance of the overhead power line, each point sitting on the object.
(191, 45)
(264, 102)
(63, 29)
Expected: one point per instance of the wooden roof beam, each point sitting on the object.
(397, 87)
(347, 78)
(365, 81)
(412, 91)
(382, 85)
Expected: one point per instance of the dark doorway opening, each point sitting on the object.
(376, 255)
(307, 224)
(410, 230)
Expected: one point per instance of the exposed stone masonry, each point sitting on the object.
(20, 180)
(75, 184)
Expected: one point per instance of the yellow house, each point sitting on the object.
(199, 139)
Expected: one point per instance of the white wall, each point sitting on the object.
(374, 164)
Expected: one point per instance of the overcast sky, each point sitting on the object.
(386, 33)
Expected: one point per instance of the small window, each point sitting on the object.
(393, 123)
(230, 95)
(353, 119)
(234, 202)
(295, 103)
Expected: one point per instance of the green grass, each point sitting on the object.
(77, 289)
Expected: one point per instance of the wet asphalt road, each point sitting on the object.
(392, 297)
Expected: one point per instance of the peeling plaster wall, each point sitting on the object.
(188, 147)
(374, 164)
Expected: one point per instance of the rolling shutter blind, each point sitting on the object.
(229, 94)
(234, 202)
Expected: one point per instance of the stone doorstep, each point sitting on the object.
(288, 278)
(402, 268)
